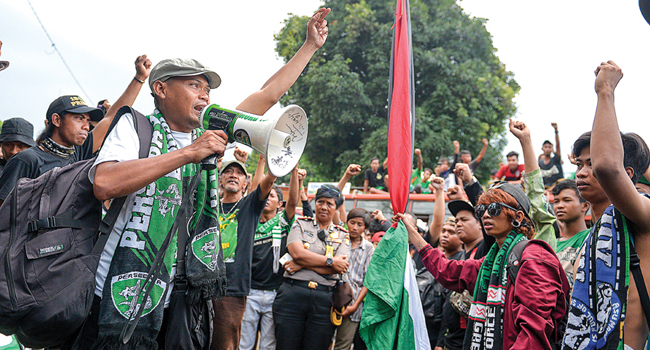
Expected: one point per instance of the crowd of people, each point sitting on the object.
(515, 266)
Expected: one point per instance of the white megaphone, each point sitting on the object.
(281, 140)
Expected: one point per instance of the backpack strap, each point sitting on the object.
(145, 132)
(514, 259)
(635, 269)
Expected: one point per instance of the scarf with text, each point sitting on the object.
(274, 226)
(154, 212)
(599, 299)
(485, 321)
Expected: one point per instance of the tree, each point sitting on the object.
(463, 92)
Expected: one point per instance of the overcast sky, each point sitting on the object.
(552, 47)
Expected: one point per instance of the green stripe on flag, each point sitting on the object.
(386, 322)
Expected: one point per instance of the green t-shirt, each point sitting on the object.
(567, 252)
(416, 179)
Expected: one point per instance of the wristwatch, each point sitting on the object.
(329, 262)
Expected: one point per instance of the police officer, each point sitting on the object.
(319, 250)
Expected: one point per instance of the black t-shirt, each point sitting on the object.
(34, 162)
(375, 179)
(238, 225)
(552, 171)
(262, 276)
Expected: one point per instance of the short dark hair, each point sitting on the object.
(374, 158)
(360, 213)
(327, 191)
(465, 152)
(547, 141)
(512, 153)
(569, 184)
(278, 192)
(443, 159)
(635, 152)
(429, 170)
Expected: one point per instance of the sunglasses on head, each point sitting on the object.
(332, 191)
(493, 209)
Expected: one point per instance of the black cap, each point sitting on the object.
(17, 129)
(517, 192)
(456, 206)
(73, 104)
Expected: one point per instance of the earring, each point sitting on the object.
(516, 223)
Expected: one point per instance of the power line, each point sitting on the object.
(59, 53)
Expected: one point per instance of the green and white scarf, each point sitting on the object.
(485, 321)
(274, 226)
(154, 212)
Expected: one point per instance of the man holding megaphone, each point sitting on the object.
(154, 187)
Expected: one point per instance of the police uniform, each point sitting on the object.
(301, 310)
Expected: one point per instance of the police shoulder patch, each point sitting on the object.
(341, 228)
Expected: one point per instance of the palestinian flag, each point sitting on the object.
(392, 315)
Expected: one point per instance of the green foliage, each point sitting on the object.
(463, 92)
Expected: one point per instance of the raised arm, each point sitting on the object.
(481, 154)
(142, 70)
(292, 201)
(352, 170)
(534, 185)
(259, 173)
(557, 140)
(521, 132)
(260, 101)
(607, 151)
(418, 153)
(437, 185)
(266, 184)
(456, 153)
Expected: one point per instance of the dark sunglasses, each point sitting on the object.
(493, 209)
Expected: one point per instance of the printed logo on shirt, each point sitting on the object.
(229, 226)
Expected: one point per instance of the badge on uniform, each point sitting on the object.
(347, 241)
(330, 251)
(334, 235)
(307, 245)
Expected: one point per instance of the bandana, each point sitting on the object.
(50, 146)
(154, 212)
(485, 322)
(599, 299)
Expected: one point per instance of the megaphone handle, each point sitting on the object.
(210, 162)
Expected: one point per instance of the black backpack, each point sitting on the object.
(51, 238)
(513, 264)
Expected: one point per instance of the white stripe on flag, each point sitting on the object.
(415, 307)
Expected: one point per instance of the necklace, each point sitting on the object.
(231, 209)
